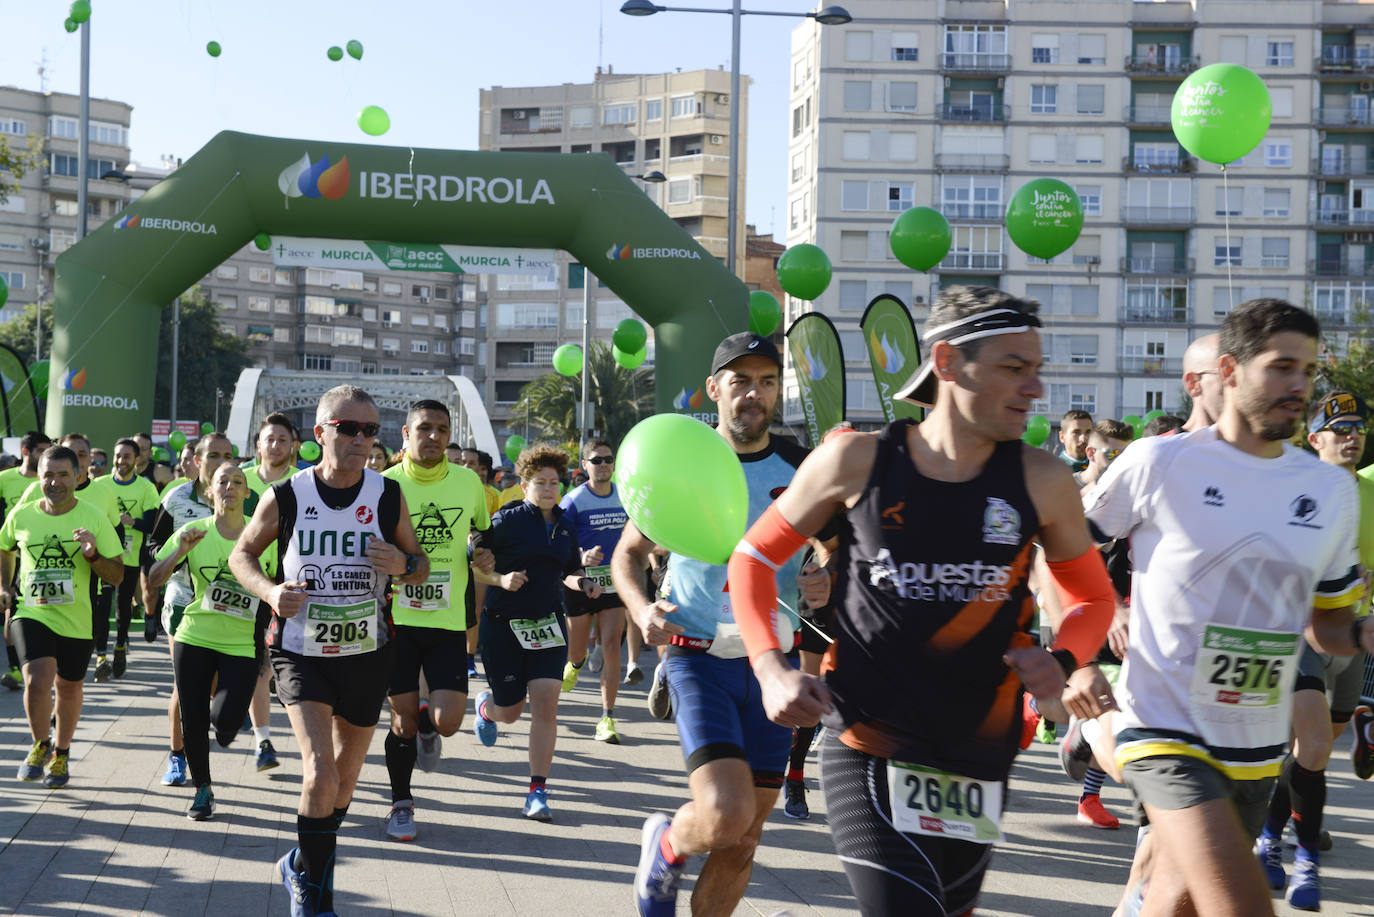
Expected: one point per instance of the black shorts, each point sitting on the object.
(510, 667)
(578, 604)
(354, 686)
(811, 641)
(35, 640)
(442, 654)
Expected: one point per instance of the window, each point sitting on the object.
(1090, 197)
(653, 110)
(858, 46)
(227, 301)
(1092, 49)
(259, 304)
(1276, 202)
(283, 277)
(527, 315)
(1044, 100)
(853, 295)
(680, 191)
(13, 126)
(686, 106)
(905, 46)
(391, 345)
(259, 274)
(620, 113)
(1070, 349)
(1092, 99)
(1064, 299)
(15, 279)
(281, 305)
(900, 195)
(1227, 255)
(441, 347)
(321, 305)
(1229, 201)
(978, 247)
(465, 346)
(64, 128)
(901, 147)
(901, 97)
(972, 197)
(1154, 156)
(1089, 149)
(1044, 49)
(581, 115)
(858, 95)
(419, 318)
(419, 346)
(420, 291)
(1278, 153)
(854, 195)
(1281, 101)
(109, 134)
(224, 271)
(1278, 53)
(317, 334)
(1042, 148)
(853, 245)
(281, 335)
(857, 145)
(1274, 251)
(799, 121)
(391, 287)
(63, 164)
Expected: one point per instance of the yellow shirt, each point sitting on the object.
(513, 494)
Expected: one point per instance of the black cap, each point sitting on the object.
(744, 344)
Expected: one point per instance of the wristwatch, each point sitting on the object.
(412, 564)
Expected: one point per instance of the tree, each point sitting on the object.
(210, 360)
(619, 397)
(17, 333)
(14, 163)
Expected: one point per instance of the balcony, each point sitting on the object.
(1345, 117)
(1157, 267)
(977, 212)
(972, 162)
(1159, 314)
(1330, 217)
(979, 114)
(1158, 216)
(1352, 162)
(1148, 114)
(1152, 65)
(974, 262)
(1343, 60)
(1339, 267)
(1181, 165)
(1152, 366)
(975, 62)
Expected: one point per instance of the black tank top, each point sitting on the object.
(931, 592)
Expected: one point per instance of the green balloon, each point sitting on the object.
(206, 427)
(1221, 112)
(4, 290)
(374, 120)
(235, 449)
(567, 360)
(355, 49)
(1152, 415)
(629, 360)
(920, 238)
(1037, 431)
(310, 451)
(654, 461)
(630, 335)
(212, 49)
(515, 444)
(804, 271)
(80, 10)
(38, 378)
(263, 241)
(1044, 217)
(1135, 423)
(335, 52)
(71, 25)
(764, 312)
(177, 440)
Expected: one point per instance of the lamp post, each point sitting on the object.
(830, 15)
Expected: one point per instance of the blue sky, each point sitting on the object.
(424, 62)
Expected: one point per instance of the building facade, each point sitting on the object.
(955, 104)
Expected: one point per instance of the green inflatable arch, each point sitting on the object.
(112, 285)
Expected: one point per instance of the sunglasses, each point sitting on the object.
(1348, 428)
(601, 460)
(1111, 454)
(354, 427)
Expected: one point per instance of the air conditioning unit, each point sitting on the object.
(723, 99)
(424, 297)
(1367, 86)
(519, 114)
(717, 139)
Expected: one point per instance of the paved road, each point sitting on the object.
(116, 842)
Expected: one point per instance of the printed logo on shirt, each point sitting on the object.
(311, 513)
(892, 516)
(1001, 523)
(937, 582)
(364, 514)
(433, 528)
(51, 554)
(1213, 497)
(1304, 510)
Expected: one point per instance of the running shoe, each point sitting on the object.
(176, 773)
(31, 771)
(660, 698)
(203, 806)
(297, 886)
(1269, 852)
(1304, 889)
(485, 728)
(1362, 758)
(816, 738)
(570, 672)
(472, 667)
(1092, 812)
(596, 660)
(656, 880)
(605, 731)
(794, 800)
(537, 805)
(149, 627)
(267, 756)
(121, 662)
(633, 674)
(400, 824)
(429, 747)
(102, 668)
(13, 679)
(1075, 754)
(1046, 731)
(58, 774)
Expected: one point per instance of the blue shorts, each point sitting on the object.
(720, 715)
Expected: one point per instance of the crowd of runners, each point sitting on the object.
(1189, 611)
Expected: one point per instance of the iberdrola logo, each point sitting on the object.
(688, 399)
(75, 379)
(811, 365)
(318, 179)
(889, 356)
(618, 252)
(128, 221)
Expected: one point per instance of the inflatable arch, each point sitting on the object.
(112, 285)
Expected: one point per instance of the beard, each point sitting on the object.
(746, 432)
(1256, 410)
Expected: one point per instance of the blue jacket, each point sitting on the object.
(520, 540)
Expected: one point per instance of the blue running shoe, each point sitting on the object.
(1304, 889)
(297, 889)
(656, 880)
(177, 770)
(267, 756)
(1269, 851)
(485, 728)
(537, 805)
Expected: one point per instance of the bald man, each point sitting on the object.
(1201, 382)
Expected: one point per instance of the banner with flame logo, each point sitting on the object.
(818, 366)
(894, 351)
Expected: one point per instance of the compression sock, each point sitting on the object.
(1092, 782)
(1280, 804)
(608, 711)
(1308, 789)
(400, 765)
(316, 839)
(538, 782)
(801, 744)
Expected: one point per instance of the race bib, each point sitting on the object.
(340, 630)
(602, 577)
(928, 801)
(538, 633)
(49, 587)
(1240, 668)
(227, 597)
(431, 595)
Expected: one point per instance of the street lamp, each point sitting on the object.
(829, 15)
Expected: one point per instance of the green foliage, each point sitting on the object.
(17, 333)
(14, 163)
(211, 358)
(619, 397)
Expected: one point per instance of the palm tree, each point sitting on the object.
(619, 399)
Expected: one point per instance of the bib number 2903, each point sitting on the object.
(340, 630)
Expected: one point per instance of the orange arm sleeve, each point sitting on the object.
(769, 543)
(1085, 590)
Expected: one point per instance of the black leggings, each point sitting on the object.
(891, 872)
(196, 669)
(100, 610)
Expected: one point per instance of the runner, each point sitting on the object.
(13, 483)
(446, 502)
(593, 509)
(1074, 430)
(1202, 382)
(915, 790)
(60, 541)
(379, 459)
(219, 641)
(340, 531)
(137, 501)
(736, 760)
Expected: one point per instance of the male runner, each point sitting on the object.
(446, 502)
(100, 463)
(341, 530)
(144, 467)
(593, 509)
(1240, 542)
(1202, 382)
(915, 791)
(1105, 443)
(13, 483)
(736, 760)
(1074, 429)
(137, 501)
(60, 541)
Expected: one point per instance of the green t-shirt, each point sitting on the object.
(257, 485)
(1365, 488)
(443, 513)
(12, 487)
(222, 614)
(54, 578)
(88, 492)
(135, 497)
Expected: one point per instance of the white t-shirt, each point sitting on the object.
(1231, 553)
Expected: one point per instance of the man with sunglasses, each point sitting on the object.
(595, 513)
(1105, 442)
(343, 534)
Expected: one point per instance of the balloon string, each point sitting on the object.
(1226, 218)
